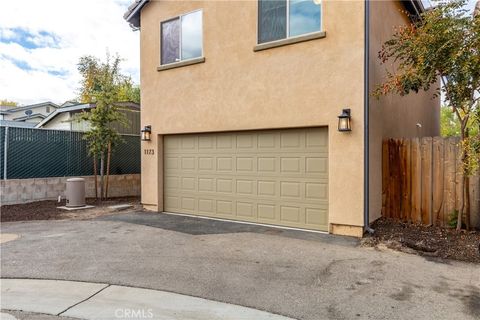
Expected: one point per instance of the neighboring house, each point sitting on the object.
(66, 118)
(4, 111)
(16, 124)
(33, 113)
(243, 98)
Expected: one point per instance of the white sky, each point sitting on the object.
(41, 42)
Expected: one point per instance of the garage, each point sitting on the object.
(275, 177)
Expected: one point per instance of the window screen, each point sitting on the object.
(272, 20)
(170, 41)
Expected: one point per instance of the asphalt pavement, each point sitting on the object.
(294, 274)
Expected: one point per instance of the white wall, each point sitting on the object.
(61, 122)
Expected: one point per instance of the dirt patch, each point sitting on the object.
(425, 240)
(47, 210)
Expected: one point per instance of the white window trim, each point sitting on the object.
(179, 17)
(321, 31)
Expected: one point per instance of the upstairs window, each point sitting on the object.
(182, 38)
(282, 19)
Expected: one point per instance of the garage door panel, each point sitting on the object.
(246, 141)
(206, 185)
(276, 177)
(188, 203)
(291, 139)
(225, 164)
(206, 142)
(206, 206)
(225, 207)
(246, 187)
(224, 185)
(224, 141)
(316, 216)
(245, 209)
(267, 213)
(206, 163)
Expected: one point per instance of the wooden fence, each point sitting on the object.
(422, 181)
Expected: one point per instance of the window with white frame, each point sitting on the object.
(282, 19)
(181, 38)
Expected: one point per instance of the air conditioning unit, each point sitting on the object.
(75, 192)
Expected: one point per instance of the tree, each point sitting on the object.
(102, 83)
(90, 67)
(443, 44)
(449, 125)
(8, 103)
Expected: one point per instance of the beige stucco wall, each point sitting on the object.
(301, 85)
(393, 116)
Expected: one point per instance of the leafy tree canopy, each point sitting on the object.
(104, 85)
(91, 70)
(5, 102)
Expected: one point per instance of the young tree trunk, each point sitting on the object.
(102, 182)
(109, 152)
(95, 174)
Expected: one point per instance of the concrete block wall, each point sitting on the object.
(17, 191)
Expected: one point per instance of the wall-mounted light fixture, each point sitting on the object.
(146, 133)
(344, 121)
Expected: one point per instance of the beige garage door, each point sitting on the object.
(277, 177)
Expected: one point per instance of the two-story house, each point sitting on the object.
(244, 98)
(67, 118)
(33, 113)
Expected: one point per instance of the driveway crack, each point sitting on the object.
(86, 299)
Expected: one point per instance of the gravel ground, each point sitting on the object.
(426, 240)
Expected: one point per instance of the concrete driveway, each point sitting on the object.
(296, 274)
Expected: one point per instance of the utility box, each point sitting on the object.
(75, 192)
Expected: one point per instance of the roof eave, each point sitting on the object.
(132, 16)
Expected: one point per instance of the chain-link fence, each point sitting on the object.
(39, 153)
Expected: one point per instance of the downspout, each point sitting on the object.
(366, 115)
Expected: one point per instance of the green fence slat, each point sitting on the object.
(2, 151)
(41, 153)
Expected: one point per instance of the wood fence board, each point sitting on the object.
(385, 177)
(449, 192)
(426, 162)
(395, 180)
(416, 180)
(475, 200)
(438, 180)
(421, 181)
(391, 177)
(405, 176)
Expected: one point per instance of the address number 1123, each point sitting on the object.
(149, 151)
